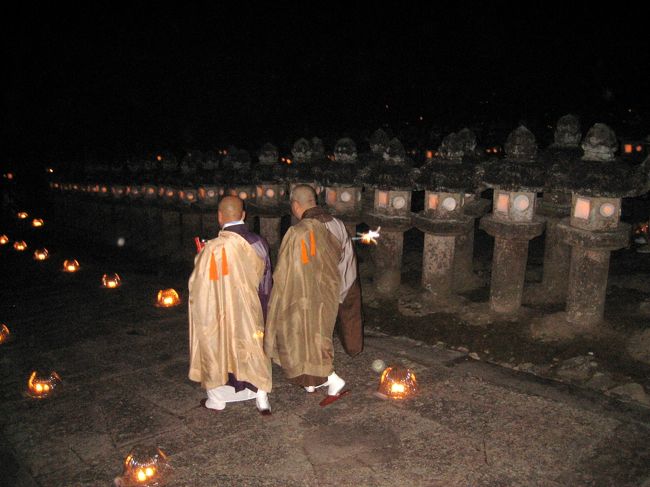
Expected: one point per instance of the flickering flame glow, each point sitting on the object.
(22, 215)
(4, 240)
(397, 383)
(145, 466)
(70, 265)
(607, 210)
(369, 237)
(40, 388)
(503, 200)
(167, 298)
(41, 254)
(582, 208)
(37, 222)
(20, 245)
(111, 281)
(5, 334)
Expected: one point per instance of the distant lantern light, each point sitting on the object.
(167, 298)
(159, 158)
(5, 334)
(243, 195)
(270, 193)
(211, 193)
(111, 281)
(42, 387)
(145, 466)
(627, 148)
(582, 208)
(22, 215)
(70, 266)
(330, 196)
(449, 204)
(121, 241)
(521, 202)
(399, 202)
(4, 240)
(41, 254)
(20, 245)
(260, 191)
(433, 202)
(639, 148)
(503, 200)
(382, 198)
(429, 154)
(607, 210)
(397, 383)
(346, 196)
(37, 222)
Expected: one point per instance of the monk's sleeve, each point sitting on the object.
(264, 290)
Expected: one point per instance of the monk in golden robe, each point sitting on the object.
(315, 286)
(229, 288)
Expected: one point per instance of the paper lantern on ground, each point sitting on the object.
(167, 298)
(22, 215)
(145, 466)
(42, 387)
(5, 334)
(37, 222)
(4, 240)
(70, 265)
(111, 281)
(41, 254)
(397, 383)
(20, 245)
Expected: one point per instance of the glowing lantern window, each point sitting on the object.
(169, 193)
(346, 196)
(41, 254)
(5, 334)
(582, 209)
(397, 383)
(270, 193)
(70, 266)
(37, 222)
(382, 199)
(503, 200)
(221, 192)
(4, 240)
(189, 196)
(181, 194)
(449, 204)
(627, 148)
(146, 467)
(432, 202)
(330, 196)
(22, 215)
(521, 202)
(607, 210)
(639, 148)
(20, 245)
(429, 154)
(260, 191)
(167, 298)
(111, 281)
(159, 158)
(40, 388)
(211, 194)
(104, 189)
(150, 190)
(399, 202)
(243, 195)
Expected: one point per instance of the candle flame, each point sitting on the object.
(4, 333)
(22, 215)
(369, 237)
(41, 254)
(4, 240)
(37, 222)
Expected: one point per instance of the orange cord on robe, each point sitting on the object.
(312, 242)
(303, 252)
(224, 262)
(213, 268)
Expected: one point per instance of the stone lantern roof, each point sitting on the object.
(269, 169)
(301, 168)
(455, 170)
(600, 173)
(378, 142)
(301, 151)
(563, 152)
(393, 172)
(521, 170)
(342, 171)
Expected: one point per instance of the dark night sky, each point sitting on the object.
(111, 80)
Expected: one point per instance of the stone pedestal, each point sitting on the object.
(509, 260)
(587, 278)
(557, 254)
(270, 229)
(388, 262)
(464, 277)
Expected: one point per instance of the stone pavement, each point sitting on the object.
(124, 368)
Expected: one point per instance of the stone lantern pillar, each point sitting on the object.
(446, 180)
(342, 195)
(392, 184)
(594, 228)
(555, 206)
(270, 196)
(513, 222)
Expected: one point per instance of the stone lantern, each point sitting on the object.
(445, 180)
(238, 177)
(306, 165)
(271, 193)
(513, 222)
(342, 194)
(593, 229)
(392, 184)
(555, 206)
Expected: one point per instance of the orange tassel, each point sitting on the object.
(213, 269)
(224, 262)
(312, 242)
(303, 252)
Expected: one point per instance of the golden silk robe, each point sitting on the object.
(226, 321)
(304, 303)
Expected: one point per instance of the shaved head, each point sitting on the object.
(231, 209)
(303, 197)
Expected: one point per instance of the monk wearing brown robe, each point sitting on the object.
(315, 286)
(229, 289)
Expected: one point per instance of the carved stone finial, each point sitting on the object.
(599, 144)
(268, 154)
(378, 142)
(345, 150)
(521, 145)
(301, 151)
(567, 131)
